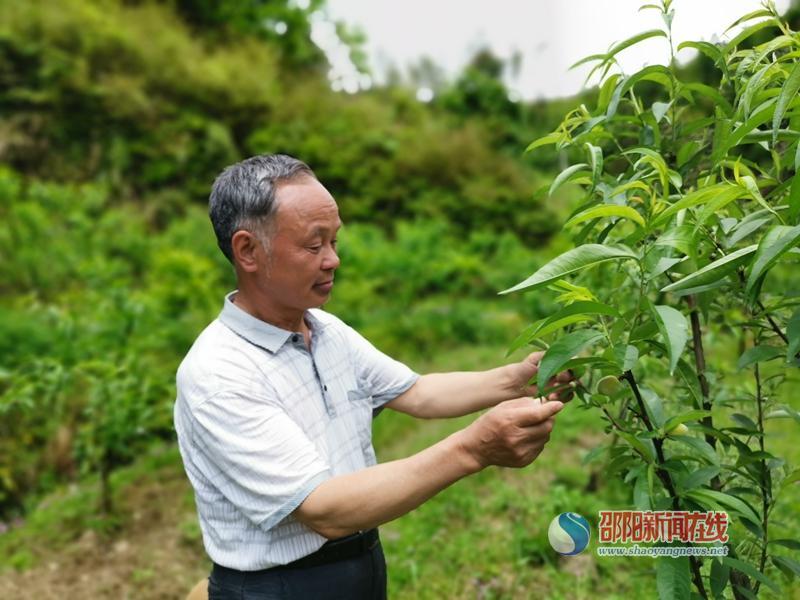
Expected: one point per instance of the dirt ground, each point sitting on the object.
(152, 557)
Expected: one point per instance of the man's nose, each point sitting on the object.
(331, 260)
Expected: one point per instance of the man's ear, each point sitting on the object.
(246, 248)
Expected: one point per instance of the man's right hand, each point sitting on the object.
(512, 434)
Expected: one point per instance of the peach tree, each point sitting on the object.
(677, 293)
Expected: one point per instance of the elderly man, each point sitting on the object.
(276, 399)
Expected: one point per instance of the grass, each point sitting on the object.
(484, 537)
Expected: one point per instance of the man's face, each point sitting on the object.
(302, 248)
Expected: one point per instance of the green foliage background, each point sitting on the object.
(115, 117)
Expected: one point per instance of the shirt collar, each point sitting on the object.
(258, 332)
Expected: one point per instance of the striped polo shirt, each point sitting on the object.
(262, 421)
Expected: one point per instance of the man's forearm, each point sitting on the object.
(455, 394)
(369, 497)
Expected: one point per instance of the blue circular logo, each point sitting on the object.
(568, 533)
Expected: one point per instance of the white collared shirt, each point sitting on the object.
(261, 422)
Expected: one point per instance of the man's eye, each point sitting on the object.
(333, 243)
(314, 248)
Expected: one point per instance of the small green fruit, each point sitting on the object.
(608, 385)
(679, 429)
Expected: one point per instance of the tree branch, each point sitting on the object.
(664, 475)
(766, 484)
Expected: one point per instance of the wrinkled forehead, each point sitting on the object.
(306, 207)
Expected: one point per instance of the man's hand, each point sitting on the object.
(512, 434)
(527, 368)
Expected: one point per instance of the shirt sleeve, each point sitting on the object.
(379, 376)
(256, 455)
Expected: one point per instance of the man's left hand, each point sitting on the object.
(526, 369)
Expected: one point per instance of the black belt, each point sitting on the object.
(331, 551)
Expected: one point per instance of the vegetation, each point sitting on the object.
(116, 117)
(690, 208)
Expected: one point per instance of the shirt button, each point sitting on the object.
(325, 387)
(295, 338)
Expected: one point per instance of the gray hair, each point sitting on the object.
(243, 196)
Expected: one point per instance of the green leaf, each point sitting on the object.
(761, 115)
(645, 331)
(607, 210)
(793, 335)
(749, 17)
(653, 405)
(689, 379)
(655, 73)
(719, 577)
(701, 289)
(634, 40)
(707, 48)
(686, 152)
(710, 92)
(717, 204)
(792, 544)
(746, 593)
(788, 92)
(643, 449)
(571, 261)
(713, 271)
(782, 41)
(594, 454)
(794, 196)
(698, 477)
(565, 175)
(682, 238)
(758, 354)
(672, 578)
(745, 228)
(596, 362)
(782, 411)
(576, 309)
(791, 478)
(787, 565)
(674, 329)
(692, 415)
(641, 496)
(655, 160)
(664, 264)
(550, 325)
(773, 245)
(587, 59)
(613, 104)
(550, 138)
(720, 192)
(747, 32)
(753, 86)
(701, 447)
(750, 571)
(626, 356)
(596, 159)
(630, 185)
(660, 109)
(751, 186)
(715, 498)
(561, 351)
(522, 339)
(744, 421)
(604, 97)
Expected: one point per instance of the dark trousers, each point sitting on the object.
(359, 578)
